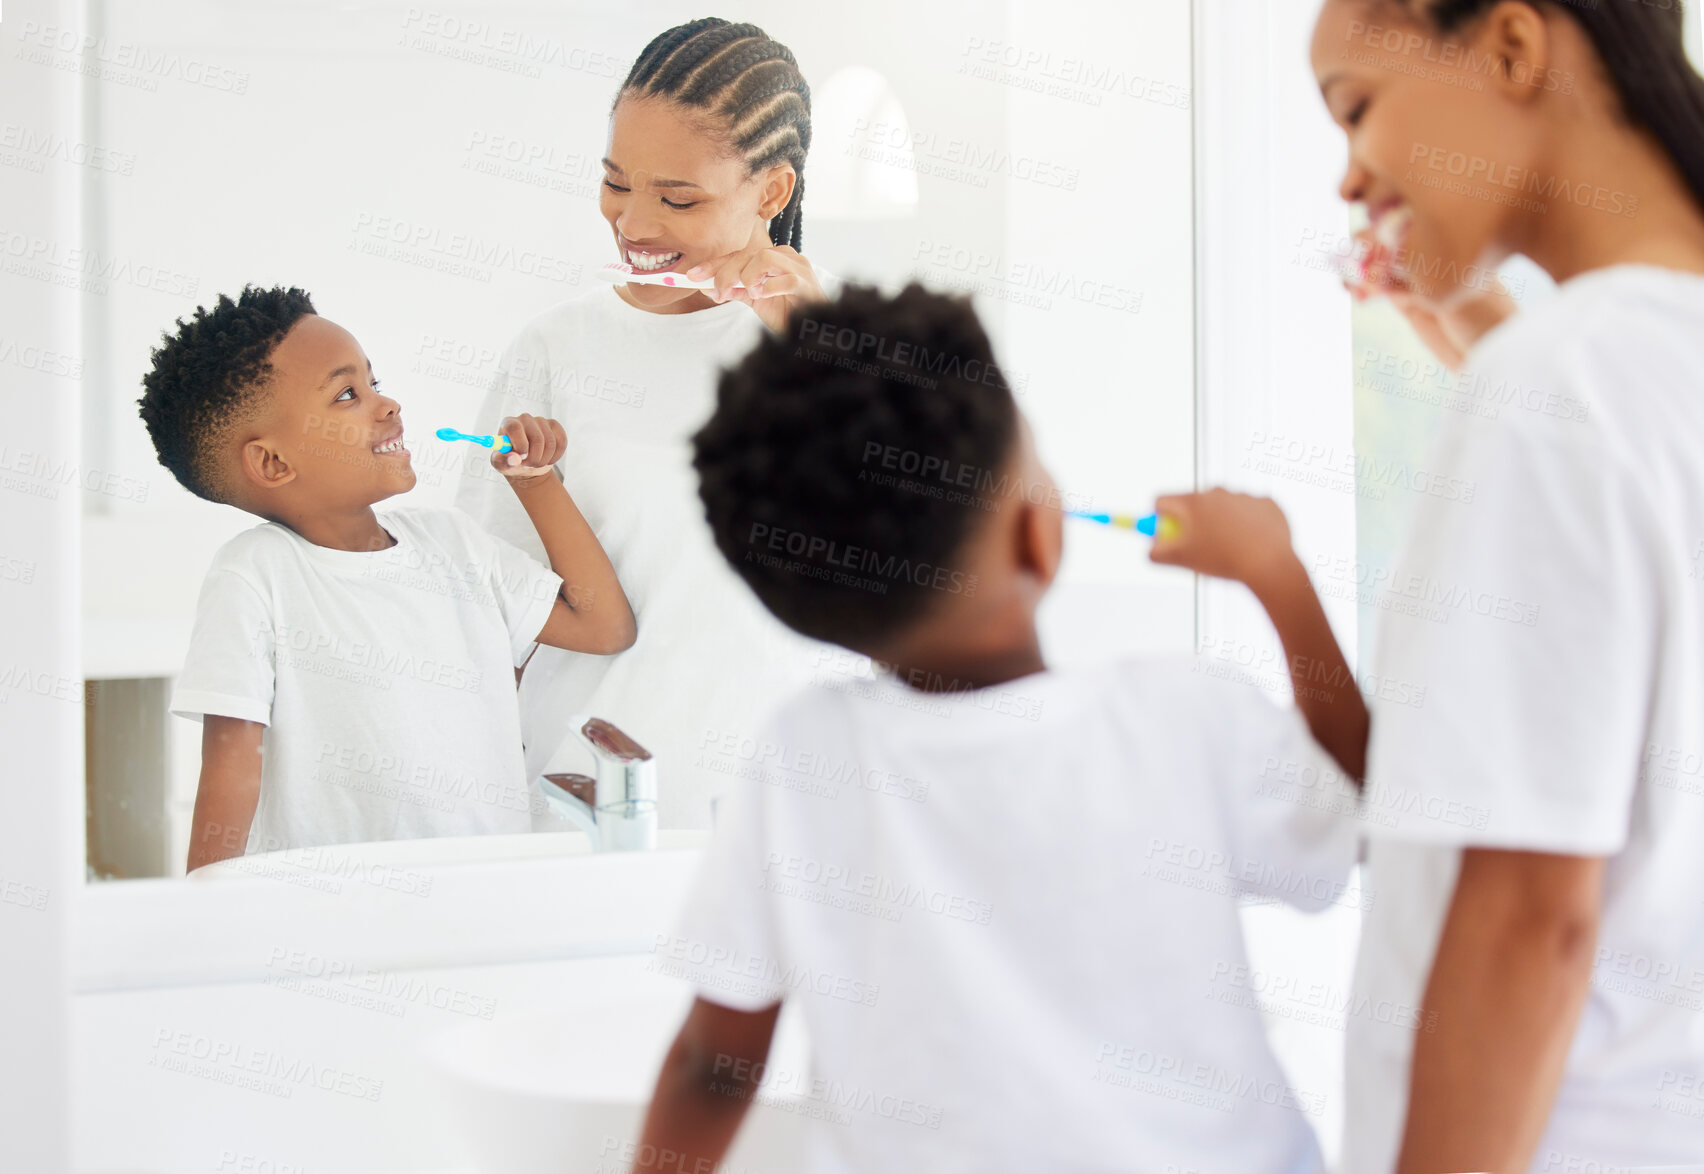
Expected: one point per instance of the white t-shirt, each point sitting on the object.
(1010, 918)
(385, 678)
(630, 388)
(1561, 651)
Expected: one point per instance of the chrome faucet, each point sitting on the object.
(616, 805)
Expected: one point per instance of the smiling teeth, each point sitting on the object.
(653, 260)
(389, 446)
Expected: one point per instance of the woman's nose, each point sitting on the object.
(1353, 188)
(634, 224)
(388, 407)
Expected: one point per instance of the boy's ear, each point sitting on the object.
(264, 464)
(1041, 539)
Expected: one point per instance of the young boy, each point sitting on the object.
(354, 670)
(1003, 896)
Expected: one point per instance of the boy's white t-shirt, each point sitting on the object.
(1564, 706)
(1010, 918)
(385, 678)
(630, 388)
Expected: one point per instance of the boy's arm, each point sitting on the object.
(1235, 536)
(229, 791)
(705, 1086)
(592, 614)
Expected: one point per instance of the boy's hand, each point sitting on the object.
(537, 443)
(1227, 535)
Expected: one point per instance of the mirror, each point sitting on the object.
(432, 177)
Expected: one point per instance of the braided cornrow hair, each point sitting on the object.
(751, 84)
(1643, 50)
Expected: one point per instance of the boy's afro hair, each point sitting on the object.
(852, 455)
(208, 376)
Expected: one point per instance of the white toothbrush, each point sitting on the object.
(617, 273)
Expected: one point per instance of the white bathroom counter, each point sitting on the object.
(296, 1074)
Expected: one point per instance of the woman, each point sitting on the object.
(1532, 968)
(703, 175)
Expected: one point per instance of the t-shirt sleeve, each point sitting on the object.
(521, 384)
(1290, 808)
(228, 670)
(726, 942)
(1538, 646)
(525, 588)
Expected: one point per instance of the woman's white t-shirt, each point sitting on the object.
(385, 678)
(1561, 651)
(1010, 918)
(630, 388)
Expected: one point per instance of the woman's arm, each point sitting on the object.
(229, 790)
(1507, 985)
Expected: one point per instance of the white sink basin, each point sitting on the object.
(427, 852)
(564, 1092)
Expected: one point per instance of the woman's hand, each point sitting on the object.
(1448, 333)
(1226, 535)
(537, 442)
(777, 280)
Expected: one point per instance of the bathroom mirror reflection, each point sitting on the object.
(435, 178)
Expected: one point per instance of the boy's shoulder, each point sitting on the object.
(252, 551)
(1151, 692)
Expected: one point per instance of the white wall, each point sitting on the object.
(40, 691)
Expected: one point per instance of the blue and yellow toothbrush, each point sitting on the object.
(501, 443)
(1150, 524)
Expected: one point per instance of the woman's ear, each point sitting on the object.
(778, 184)
(1516, 37)
(265, 465)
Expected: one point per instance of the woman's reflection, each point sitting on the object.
(704, 175)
